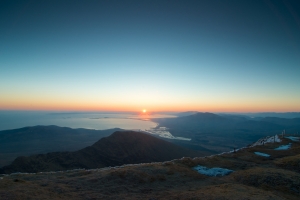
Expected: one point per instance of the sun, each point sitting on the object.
(144, 111)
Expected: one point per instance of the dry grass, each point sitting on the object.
(255, 177)
(226, 191)
(270, 179)
(290, 162)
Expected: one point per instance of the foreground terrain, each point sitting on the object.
(253, 177)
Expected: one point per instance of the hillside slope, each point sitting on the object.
(254, 177)
(219, 133)
(122, 147)
(43, 139)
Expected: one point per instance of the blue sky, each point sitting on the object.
(159, 55)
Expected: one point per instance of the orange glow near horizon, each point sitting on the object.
(70, 107)
(64, 104)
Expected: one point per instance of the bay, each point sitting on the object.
(89, 120)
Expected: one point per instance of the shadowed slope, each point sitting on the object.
(122, 147)
(43, 139)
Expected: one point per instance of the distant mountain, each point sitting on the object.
(187, 113)
(289, 115)
(122, 147)
(294, 122)
(215, 123)
(234, 115)
(225, 132)
(198, 120)
(43, 139)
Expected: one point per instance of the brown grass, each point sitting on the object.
(290, 162)
(270, 179)
(254, 177)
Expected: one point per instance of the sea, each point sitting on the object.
(89, 120)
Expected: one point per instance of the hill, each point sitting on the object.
(218, 133)
(253, 177)
(122, 147)
(43, 139)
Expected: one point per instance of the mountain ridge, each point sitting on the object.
(122, 147)
(43, 139)
(220, 133)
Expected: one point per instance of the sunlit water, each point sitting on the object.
(98, 121)
(91, 120)
(164, 132)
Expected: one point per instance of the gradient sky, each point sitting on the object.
(215, 56)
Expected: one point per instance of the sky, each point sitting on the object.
(204, 55)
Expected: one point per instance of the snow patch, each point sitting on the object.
(216, 171)
(295, 139)
(268, 139)
(262, 154)
(284, 147)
